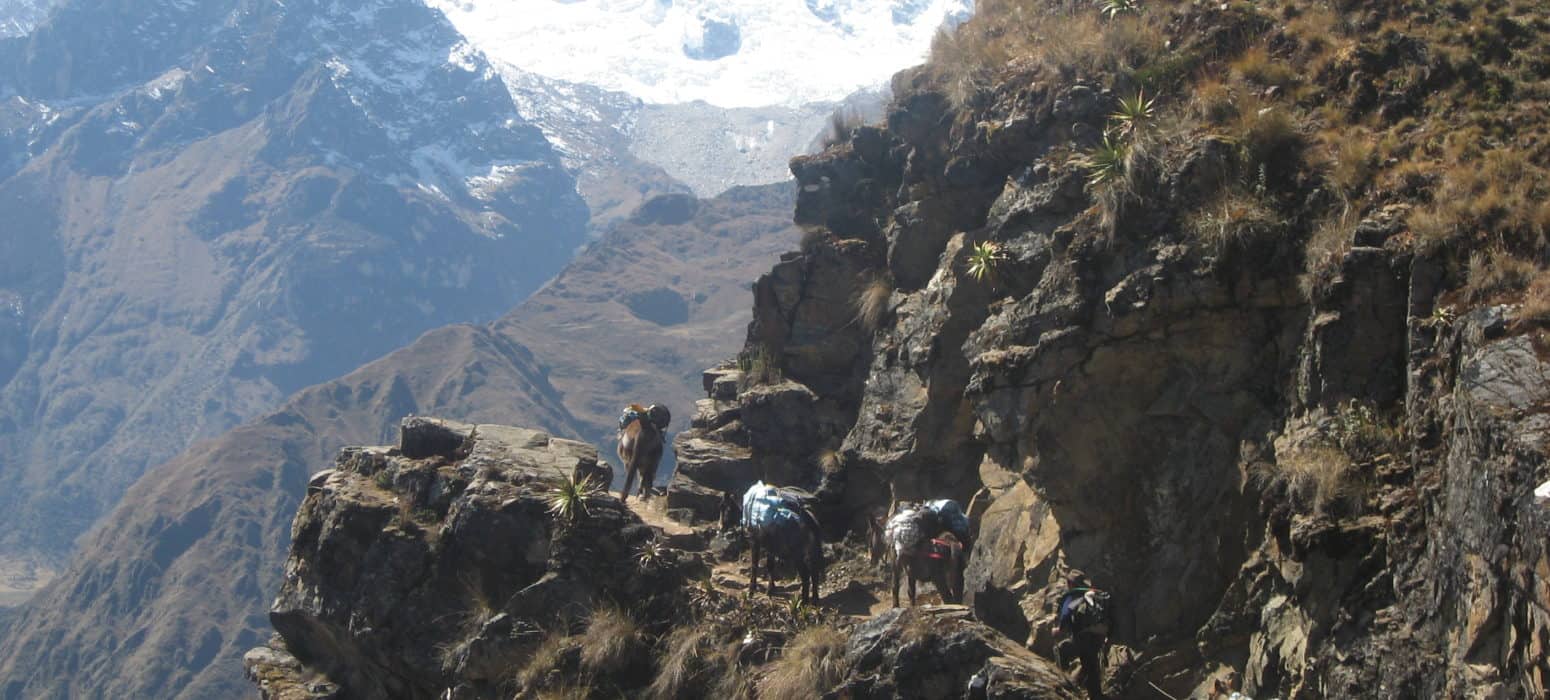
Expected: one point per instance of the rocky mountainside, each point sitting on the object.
(215, 204)
(1214, 332)
(142, 602)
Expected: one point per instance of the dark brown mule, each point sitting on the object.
(793, 539)
(641, 441)
(916, 555)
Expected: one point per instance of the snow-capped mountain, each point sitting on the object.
(728, 53)
(17, 17)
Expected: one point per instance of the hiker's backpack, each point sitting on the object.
(1088, 610)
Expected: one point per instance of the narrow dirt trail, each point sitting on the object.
(852, 585)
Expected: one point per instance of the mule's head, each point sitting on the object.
(876, 541)
(659, 416)
(731, 512)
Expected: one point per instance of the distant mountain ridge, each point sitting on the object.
(215, 204)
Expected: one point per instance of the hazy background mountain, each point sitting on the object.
(237, 219)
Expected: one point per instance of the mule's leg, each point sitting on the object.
(648, 481)
(897, 561)
(801, 567)
(911, 574)
(629, 480)
(769, 567)
(753, 569)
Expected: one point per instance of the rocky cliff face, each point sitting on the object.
(1302, 485)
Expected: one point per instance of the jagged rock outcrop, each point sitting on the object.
(426, 569)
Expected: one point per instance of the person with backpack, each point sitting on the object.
(1083, 620)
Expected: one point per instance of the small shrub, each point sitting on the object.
(872, 302)
(570, 499)
(611, 642)
(383, 479)
(813, 663)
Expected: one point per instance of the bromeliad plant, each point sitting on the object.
(570, 498)
(986, 261)
(1115, 8)
(1106, 162)
(1133, 115)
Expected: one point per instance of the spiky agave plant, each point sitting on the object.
(986, 260)
(570, 498)
(1115, 8)
(1133, 114)
(1106, 162)
(652, 554)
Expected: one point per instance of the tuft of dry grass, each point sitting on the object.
(611, 642)
(1272, 143)
(812, 663)
(1355, 159)
(682, 660)
(1494, 272)
(830, 461)
(1256, 65)
(545, 660)
(1215, 102)
(1536, 301)
(1066, 38)
(812, 237)
(871, 302)
(1326, 247)
(1320, 476)
(1233, 220)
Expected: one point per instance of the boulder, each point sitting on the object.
(934, 652)
(420, 437)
